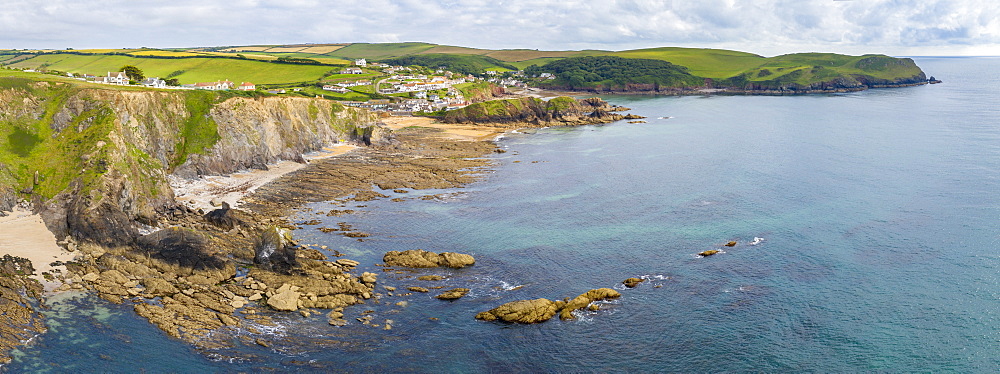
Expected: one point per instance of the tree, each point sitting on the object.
(134, 74)
(173, 82)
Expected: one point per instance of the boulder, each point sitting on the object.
(709, 252)
(273, 250)
(158, 287)
(430, 277)
(632, 282)
(585, 299)
(418, 258)
(284, 299)
(418, 289)
(731, 244)
(453, 294)
(370, 278)
(456, 260)
(522, 311)
(347, 263)
(222, 217)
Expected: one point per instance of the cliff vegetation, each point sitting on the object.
(95, 159)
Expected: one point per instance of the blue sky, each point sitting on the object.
(769, 27)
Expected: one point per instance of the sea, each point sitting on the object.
(876, 216)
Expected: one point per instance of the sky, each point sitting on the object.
(766, 27)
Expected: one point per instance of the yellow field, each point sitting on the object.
(166, 53)
(335, 61)
(248, 48)
(284, 49)
(101, 50)
(323, 49)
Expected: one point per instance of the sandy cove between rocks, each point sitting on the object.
(23, 234)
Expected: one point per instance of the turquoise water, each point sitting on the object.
(880, 213)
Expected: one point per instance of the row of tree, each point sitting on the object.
(611, 72)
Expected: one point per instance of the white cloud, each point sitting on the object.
(762, 26)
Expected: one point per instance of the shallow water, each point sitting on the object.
(879, 212)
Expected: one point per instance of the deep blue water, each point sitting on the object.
(880, 213)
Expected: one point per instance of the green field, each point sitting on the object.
(707, 63)
(380, 51)
(210, 64)
(198, 69)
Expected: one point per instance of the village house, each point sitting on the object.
(215, 86)
(334, 88)
(352, 71)
(360, 62)
(247, 86)
(116, 78)
(154, 82)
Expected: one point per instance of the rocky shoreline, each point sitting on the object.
(202, 276)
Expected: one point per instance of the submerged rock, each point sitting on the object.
(709, 252)
(585, 299)
(522, 311)
(731, 244)
(633, 282)
(418, 258)
(453, 294)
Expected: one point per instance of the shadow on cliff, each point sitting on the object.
(181, 247)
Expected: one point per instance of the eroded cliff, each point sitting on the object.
(95, 161)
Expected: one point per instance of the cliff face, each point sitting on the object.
(95, 161)
(529, 111)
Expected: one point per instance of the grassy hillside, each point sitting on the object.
(707, 63)
(191, 70)
(379, 51)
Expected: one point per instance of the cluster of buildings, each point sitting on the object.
(430, 103)
(221, 86)
(120, 78)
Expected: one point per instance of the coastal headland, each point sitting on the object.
(149, 220)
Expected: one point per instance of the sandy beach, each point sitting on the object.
(448, 131)
(202, 192)
(23, 234)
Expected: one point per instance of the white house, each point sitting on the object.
(360, 62)
(335, 89)
(154, 82)
(215, 86)
(247, 86)
(352, 71)
(118, 78)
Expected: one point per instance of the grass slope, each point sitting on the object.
(707, 63)
(199, 69)
(377, 51)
